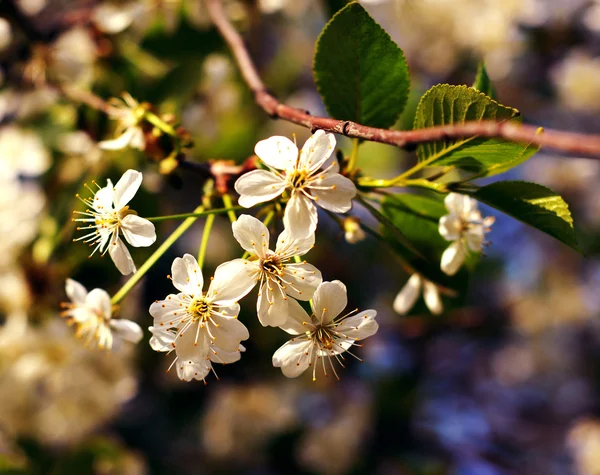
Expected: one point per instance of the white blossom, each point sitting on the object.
(129, 114)
(201, 327)
(352, 230)
(323, 335)
(108, 216)
(22, 152)
(311, 177)
(408, 295)
(279, 277)
(464, 226)
(91, 313)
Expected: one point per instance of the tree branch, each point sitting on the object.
(570, 142)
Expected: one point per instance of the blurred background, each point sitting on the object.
(506, 381)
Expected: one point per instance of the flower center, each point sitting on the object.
(324, 337)
(200, 310)
(272, 265)
(297, 178)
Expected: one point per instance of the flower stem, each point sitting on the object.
(205, 236)
(196, 215)
(160, 124)
(135, 278)
(353, 155)
(229, 204)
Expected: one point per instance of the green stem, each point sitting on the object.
(160, 124)
(205, 236)
(135, 278)
(353, 154)
(229, 204)
(196, 215)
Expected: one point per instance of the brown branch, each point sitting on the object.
(570, 142)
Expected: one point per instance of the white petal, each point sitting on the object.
(406, 298)
(121, 142)
(162, 339)
(76, 292)
(126, 330)
(231, 282)
(329, 301)
(139, 232)
(224, 357)
(287, 247)
(252, 235)
(300, 217)
(475, 236)
(99, 301)
(192, 369)
(432, 298)
(316, 150)
(360, 326)
(137, 141)
(192, 345)
(298, 321)
(103, 199)
(229, 333)
(302, 280)
(121, 257)
(272, 305)
(334, 192)
(292, 357)
(460, 204)
(277, 152)
(186, 275)
(453, 258)
(163, 311)
(127, 187)
(258, 186)
(450, 227)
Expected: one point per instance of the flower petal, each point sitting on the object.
(452, 258)
(76, 292)
(333, 192)
(330, 299)
(475, 236)
(460, 204)
(103, 199)
(137, 141)
(316, 150)
(277, 152)
(218, 355)
(192, 369)
(139, 232)
(293, 357)
(121, 142)
(432, 298)
(126, 330)
(301, 280)
(450, 227)
(298, 321)
(272, 305)
(186, 275)
(229, 333)
(359, 326)
(162, 339)
(406, 298)
(252, 235)
(121, 257)
(300, 217)
(231, 282)
(288, 247)
(99, 301)
(164, 311)
(258, 186)
(127, 187)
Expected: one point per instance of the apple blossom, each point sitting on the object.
(323, 334)
(108, 215)
(278, 277)
(464, 226)
(311, 177)
(91, 313)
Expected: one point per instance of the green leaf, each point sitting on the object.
(418, 218)
(360, 72)
(531, 204)
(483, 83)
(444, 104)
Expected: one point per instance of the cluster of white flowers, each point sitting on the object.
(202, 327)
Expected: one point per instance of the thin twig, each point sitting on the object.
(570, 142)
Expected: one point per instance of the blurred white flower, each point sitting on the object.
(408, 295)
(91, 313)
(311, 177)
(22, 152)
(464, 226)
(322, 335)
(108, 215)
(576, 81)
(278, 277)
(352, 230)
(72, 57)
(112, 18)
(201, 327)
(5, 33)
(129, 114)
(583, 440)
